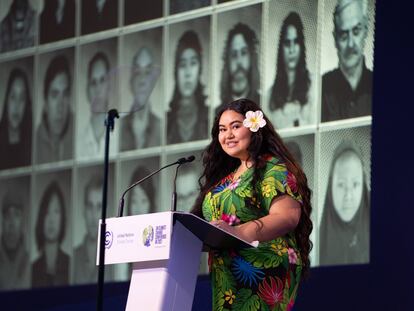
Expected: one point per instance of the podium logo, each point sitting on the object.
(109, 238)
(148, 236)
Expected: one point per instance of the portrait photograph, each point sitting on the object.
(98, 15)
(302, 148)
(18, 25)
(97, 93)
(141, 90)
(57, 20)
(237, 74)
(291, 57)
(16, 108)
(15, 243)
(54, 115)
(87, 211)
(187, 187)
(347, 52)
(51, 227)
(344, 196)
(144, 198)
(187, 93)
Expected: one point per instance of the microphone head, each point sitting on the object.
(181, 160)
(190, 158)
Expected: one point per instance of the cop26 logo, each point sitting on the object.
(109, 238)
(148, 236)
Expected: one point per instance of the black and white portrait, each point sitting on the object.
(57, 20)
(54, 122)
(143, 10)
(14, 244)
(52, 230)
(16, 99)
(141, 91)
(239, 45)
(98, 15)
(344, 191)
(347, 59)
(187, 186)
(302, 149)
(18, 26)
(97, 93)
(187, 189)
(187, 118)
(143, 198)
(178, 6)
(87, 212)
(292, 48)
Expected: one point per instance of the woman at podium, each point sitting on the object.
(253, 188)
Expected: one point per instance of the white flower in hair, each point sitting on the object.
(254, 120)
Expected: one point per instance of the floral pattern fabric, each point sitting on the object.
(262, 278)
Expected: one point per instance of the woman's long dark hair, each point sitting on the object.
(25, 144)
(26, 123)
(52, 189)
(280, 89)
(189, 40)
(218, 164)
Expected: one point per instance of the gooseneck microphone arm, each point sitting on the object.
(174, 193)
(122, 201)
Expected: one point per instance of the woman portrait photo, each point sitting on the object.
(344, 228)
(141, 199)
(290, 94)
(16, 122)
(253, 188)
(187, 119)
(52, 267)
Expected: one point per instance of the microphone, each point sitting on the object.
(180, 161)
(174, 193)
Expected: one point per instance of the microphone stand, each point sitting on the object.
(109, 123)
(174, 193)
(122, 201)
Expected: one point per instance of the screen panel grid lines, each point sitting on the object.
(167, 66)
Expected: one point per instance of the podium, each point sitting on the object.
(165, 250)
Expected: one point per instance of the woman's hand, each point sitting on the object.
(226, 227)
(283, 217)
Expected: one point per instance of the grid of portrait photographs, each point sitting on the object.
(167, 66)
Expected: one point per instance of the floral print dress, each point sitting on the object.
(262, 278)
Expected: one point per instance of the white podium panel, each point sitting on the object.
(137, 238)
(165, 250)
(167, 285)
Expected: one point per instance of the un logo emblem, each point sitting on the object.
(109, 238)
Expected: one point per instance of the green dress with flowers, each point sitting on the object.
(262, 278)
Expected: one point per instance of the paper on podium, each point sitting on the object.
(212, 236)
